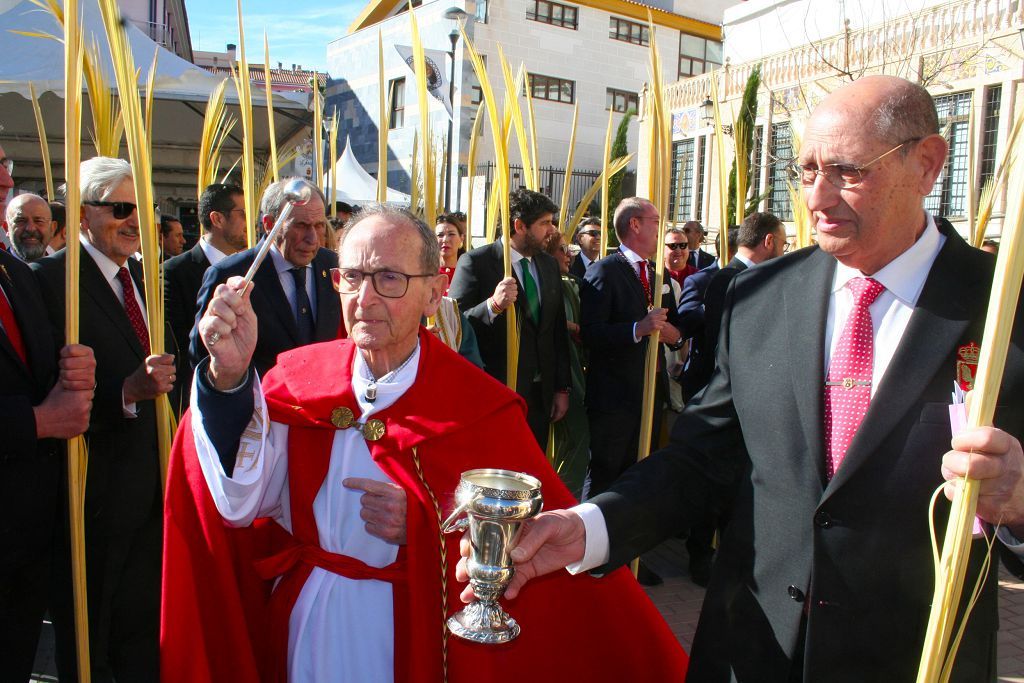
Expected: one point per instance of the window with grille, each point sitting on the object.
(553, 13)
(780, 154)
(622, 101)
(949, 196)
(701, 160)
(990, 132)
(553, 89)
(681, 181)
(698, 55)
(396, 92)
(628, 31)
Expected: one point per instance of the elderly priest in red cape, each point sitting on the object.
(327, 480)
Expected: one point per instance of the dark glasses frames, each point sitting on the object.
(121, 210)
(675, 246)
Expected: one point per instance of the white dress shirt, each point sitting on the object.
(635, 259)
(109, 270)
(213, 254)
(284, 267)
(903, 279)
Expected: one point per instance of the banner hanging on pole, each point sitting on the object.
(437, 77)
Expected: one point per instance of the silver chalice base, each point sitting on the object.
(482, 622)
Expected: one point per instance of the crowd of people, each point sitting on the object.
(328, 408)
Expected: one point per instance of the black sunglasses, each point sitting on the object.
(591, 233)
(121, 210)
(675, 246)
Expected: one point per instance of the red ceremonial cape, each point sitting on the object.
(216, 618)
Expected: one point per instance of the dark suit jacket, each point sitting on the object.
(123, 482)
(183, 277)
(691, 317)
(543, 348)
(704, 259)
(854, 553)
(611, 301)
(706, 296)
(577, 268)
(277, 329)
(29, 467)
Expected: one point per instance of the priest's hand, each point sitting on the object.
(995, 459)
(228, 329)
(383, 508)
(547, 543)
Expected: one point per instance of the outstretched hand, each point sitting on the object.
(547, 543)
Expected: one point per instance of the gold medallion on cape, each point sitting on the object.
(373, 430)
(342, 418)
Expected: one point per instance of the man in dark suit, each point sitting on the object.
(588, 237)
(617, 315)
(825, 572)
(222, 215)
(43, 399)
(760, 238)
(695, 234)
(123, 502)
(535, 289)
(292, 292)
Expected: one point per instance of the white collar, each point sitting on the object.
(631, 255)
(744, 260)
(213, 254)
(387, 392)
(281, 264)
(103, 262)
(516, 257)
(905, 275)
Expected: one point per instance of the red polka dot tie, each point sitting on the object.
(848, 385)
(131, 307)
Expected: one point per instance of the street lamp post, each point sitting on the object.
(454, 38)
(456, 14)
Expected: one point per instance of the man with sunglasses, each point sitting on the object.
(353, 449)
(294, 299)
(832, 398)
(123, 501)
(588, 237)
(222, 215)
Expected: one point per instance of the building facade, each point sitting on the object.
(591, 53)
(968, 53)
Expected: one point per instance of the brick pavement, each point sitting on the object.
(679, 601)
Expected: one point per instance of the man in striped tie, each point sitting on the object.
(831, 396)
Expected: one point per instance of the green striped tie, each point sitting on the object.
(530, 287)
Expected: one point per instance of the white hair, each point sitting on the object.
(100, 175)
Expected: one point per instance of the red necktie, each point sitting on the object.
(10, 324)
(131, 307)
(641, 267)
(848, 385)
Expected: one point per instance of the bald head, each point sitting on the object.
(875, 152)
(892, 109)
(30, 225)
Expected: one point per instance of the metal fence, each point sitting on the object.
(552, 180)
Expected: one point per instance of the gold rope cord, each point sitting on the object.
(444, 566)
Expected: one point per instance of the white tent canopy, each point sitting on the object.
(354, 184)
(181, 92)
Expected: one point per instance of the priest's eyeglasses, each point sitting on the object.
(388, 283)
(843, 176)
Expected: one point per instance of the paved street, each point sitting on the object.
(679, 600)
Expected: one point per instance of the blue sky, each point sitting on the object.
(298, 30)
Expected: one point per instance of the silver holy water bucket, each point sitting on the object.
(495, 502)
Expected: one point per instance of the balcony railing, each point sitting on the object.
(895, 41)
